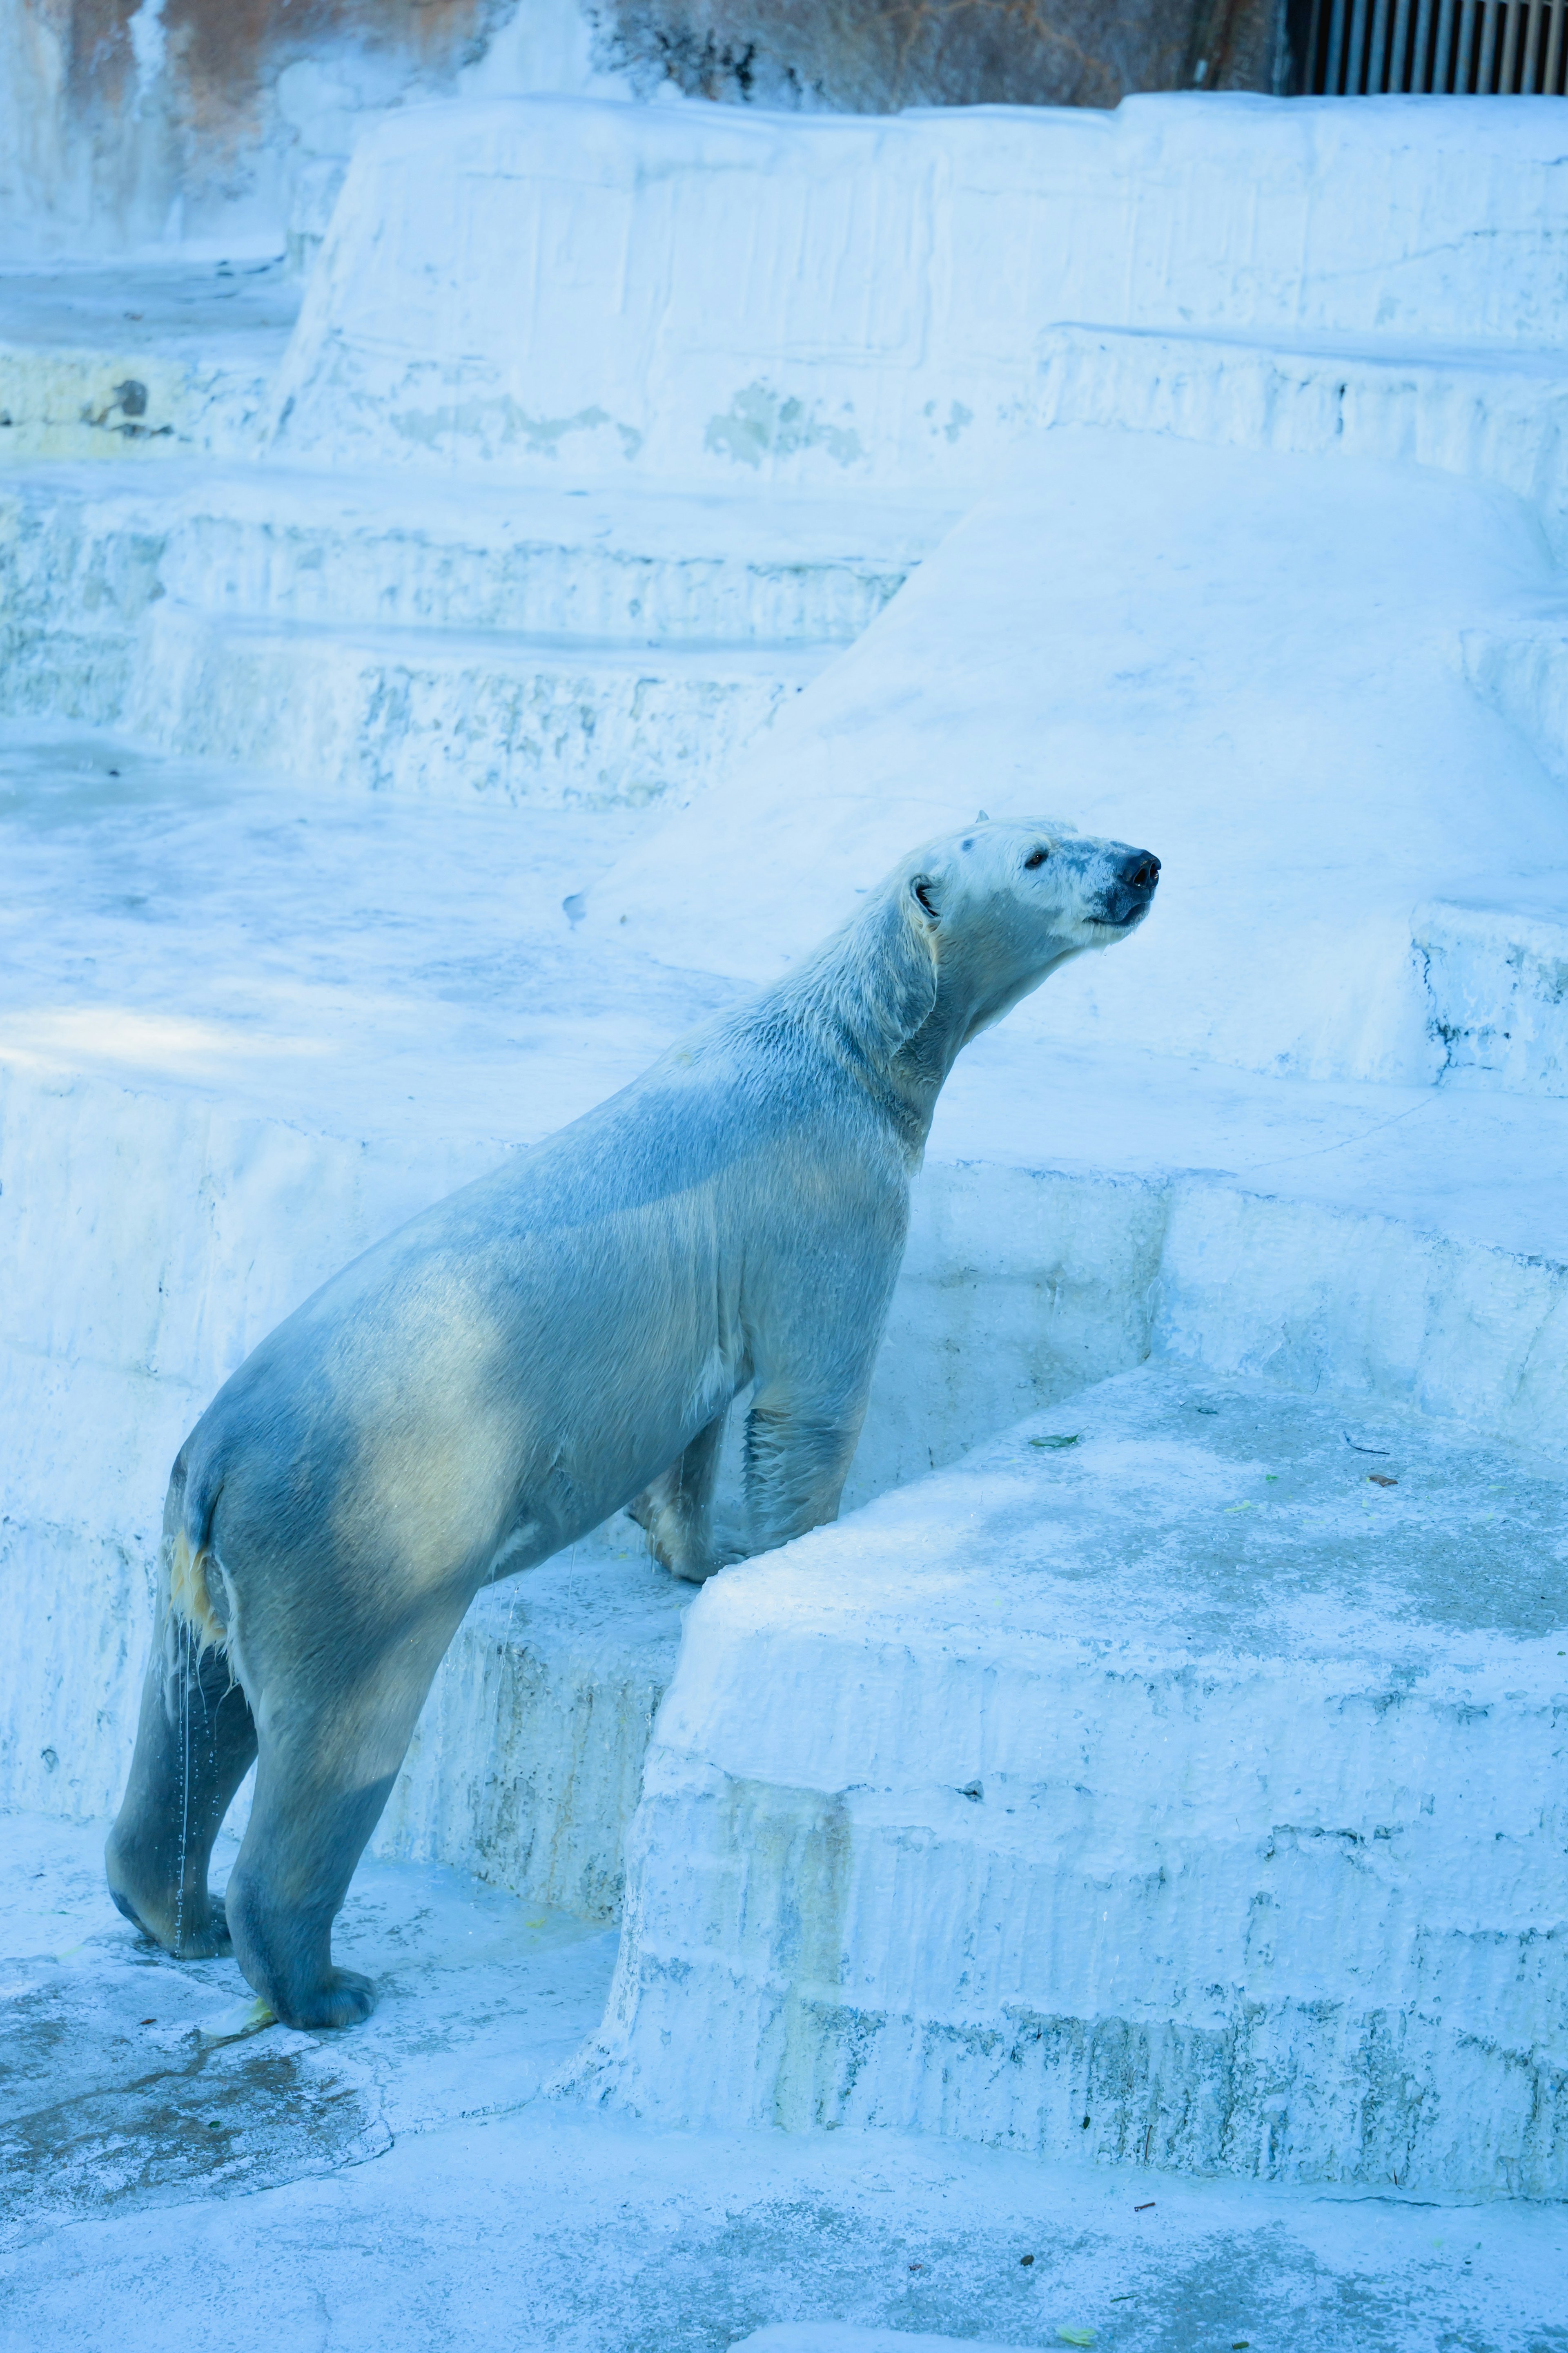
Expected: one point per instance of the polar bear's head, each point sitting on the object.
(966, 925)
(1000, 907)
(1031, 889)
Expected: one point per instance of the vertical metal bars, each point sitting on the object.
(1443, 57)
(1490, 11)
(1374, 72)
(1315, 36)
(1396, 77)
(1531, 47)
(1421, 63)
(1458, 47)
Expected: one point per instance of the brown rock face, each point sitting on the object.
(222, 54)
(111, 113)
(875, 55)
(129, 121)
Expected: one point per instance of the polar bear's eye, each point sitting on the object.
(1036, 858)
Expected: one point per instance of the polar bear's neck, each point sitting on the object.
(895, 1003)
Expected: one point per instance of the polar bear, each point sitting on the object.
(559, 1340)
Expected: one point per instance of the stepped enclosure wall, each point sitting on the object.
(585, 293)
(400, 628)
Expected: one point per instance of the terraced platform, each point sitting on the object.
(1498, 412)
(523, 645)
(1176, 1780)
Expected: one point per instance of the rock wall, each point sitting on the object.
(125, 122)
(875, 55)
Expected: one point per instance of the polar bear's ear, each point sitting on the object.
(881, 967)
(901, 981)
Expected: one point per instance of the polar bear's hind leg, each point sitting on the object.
(195, 1744)
(335, 1729)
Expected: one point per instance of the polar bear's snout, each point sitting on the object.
(1129, 893)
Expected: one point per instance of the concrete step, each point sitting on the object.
(635, 566)
(1497, 980)
(526, 1764)
(262, 541)
(1497, 413)
(140, 361)
(527, 644)
(456, 716)
(81, 550)
(1177, 1782)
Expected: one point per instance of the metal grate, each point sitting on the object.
(1349, 48)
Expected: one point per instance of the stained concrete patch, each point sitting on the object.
(110, 2099)
(500, 425)
(762, 423)
(115, 2096)
(223, 2122)
(140, 360)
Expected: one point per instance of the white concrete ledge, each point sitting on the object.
(502, 718)
(1495, 414)
(579, 292)
(1177, 1781)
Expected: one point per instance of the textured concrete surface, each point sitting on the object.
(1178, 1778)
(407, 2189)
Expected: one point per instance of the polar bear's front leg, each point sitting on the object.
(677, 1510)
(798, 1452)
(814, 1335)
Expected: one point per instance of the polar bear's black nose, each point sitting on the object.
(1141, 872)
